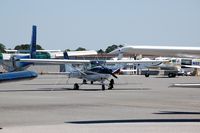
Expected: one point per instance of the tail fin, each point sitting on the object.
(65, 55)
(33, 42)
(63, 66)
(120, 55)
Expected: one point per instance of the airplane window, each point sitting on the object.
(174, 61)
(186, 62)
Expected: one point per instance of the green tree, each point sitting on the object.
(111, 48)
(120, 46)
(100, 51)
(80, 49)
(67, 50)
(38, 47)
(2, 48)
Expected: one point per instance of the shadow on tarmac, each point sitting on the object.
(38, 84)
(79, 83)
(164, 77)
(71, 89)
(177, 113)
(29, 90)
(186, 85)
(134, 121)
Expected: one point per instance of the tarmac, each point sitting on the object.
(136, 104)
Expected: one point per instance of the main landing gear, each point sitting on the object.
(111, 84)
(84, 81)
(76, 86)
(103, 87)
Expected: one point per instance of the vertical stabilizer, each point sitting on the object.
(65, 55)
(33, 42)
(120, 55)
(63, 66)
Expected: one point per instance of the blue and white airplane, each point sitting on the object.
(16, 70)
(92, 70)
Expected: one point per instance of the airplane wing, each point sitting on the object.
(54, 73)
(55, 61)
(191, 66)
(68, 61)
(19, 75)
(133, 61)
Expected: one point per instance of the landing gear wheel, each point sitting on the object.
(171, 75)
(111, 84)
(91, 82)
(146, 75)
(103, 87)
(112, 81)
(76, 86)
(84, 81)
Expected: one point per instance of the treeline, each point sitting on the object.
(19, 47)
(38, 47)
(27, 47)
(109, 49)
(100, 51)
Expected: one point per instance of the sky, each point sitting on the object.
(97, 24)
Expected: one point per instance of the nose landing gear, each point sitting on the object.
(111, 84)
(76, 86)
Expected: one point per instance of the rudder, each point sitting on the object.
(33, 42)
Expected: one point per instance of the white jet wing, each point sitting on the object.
(192, 66)
(167, 51)
(68, 61)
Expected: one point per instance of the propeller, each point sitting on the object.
(110, 71)
(104, 69)
(114, 75)
(114, 72)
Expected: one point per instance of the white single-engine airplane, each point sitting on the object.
(93, 70)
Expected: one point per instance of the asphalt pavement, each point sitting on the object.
(49, 104)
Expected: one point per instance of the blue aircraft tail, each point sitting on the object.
(19, 66)
(63, 66)
(65, 55)
(33, 42)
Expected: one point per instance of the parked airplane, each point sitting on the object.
(195, 64)
(92, 70)
(172, 68)
(16, 70)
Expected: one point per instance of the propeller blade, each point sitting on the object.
(114, 75)
(116, 71)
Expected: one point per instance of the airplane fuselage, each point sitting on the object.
(93, 76)
(170, 51)
(97, 73)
